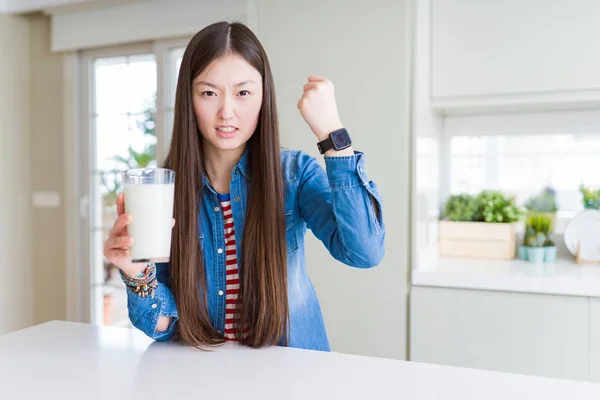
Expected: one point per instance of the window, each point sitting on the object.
(523, 165)
(130, 93)
(123, 137)
(427, 170)
(520, 154)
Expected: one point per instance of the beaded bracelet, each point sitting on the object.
(143, 284)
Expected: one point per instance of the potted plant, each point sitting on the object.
(537, 245)
(590, 197)
(461, 207)
(529, 233)
(494, 206)
(535, 248)
(544, 203)
(550, 250)
(479, 226)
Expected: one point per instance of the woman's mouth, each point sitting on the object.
(226, 132)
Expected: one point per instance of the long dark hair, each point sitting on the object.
(263, 262)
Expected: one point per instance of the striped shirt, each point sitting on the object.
(232, 281)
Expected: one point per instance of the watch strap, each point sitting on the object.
(325, 145)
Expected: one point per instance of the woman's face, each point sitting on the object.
(227, 98)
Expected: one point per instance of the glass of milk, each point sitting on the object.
(149, 196)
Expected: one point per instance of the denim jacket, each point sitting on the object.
(335, 204)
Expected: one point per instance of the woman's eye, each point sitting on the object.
(209, 93)
(244, 93)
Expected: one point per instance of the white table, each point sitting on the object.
(63, 360)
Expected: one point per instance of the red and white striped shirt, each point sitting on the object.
(232, 278)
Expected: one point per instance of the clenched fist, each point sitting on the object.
(318, 107)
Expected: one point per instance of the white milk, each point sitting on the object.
(151, 206)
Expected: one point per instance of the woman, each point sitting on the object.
(242, 206)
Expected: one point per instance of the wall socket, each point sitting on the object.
(45, 199)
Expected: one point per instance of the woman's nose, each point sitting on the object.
(226, 110)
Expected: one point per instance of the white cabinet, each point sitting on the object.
(511, 332)
(514, 50)
(595, 340)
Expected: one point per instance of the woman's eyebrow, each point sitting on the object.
(216, 87)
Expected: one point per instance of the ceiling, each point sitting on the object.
(27, 6)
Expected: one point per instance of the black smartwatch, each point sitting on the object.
(337, 140)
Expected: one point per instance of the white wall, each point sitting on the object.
(364, 49)
(514, 46)
(16, 277)
(47, 130)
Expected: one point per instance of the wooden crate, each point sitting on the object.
(476, 239)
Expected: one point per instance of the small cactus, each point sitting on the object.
(529, 232)
(537, 231)
(540, 238)
(540, 223)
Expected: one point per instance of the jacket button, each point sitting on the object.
(217, 209)
(237, 198)
(220, 251)
(220, 293)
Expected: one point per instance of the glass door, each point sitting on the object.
(130, 95)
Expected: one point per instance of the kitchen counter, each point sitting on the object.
(80, 361)
(562, 277)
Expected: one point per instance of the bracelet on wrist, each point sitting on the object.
(143, 284)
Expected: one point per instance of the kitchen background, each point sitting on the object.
(481, 125)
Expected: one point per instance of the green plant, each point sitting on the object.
(538, 228)
(529, 233)
(134, 159)
(537, 240)
(113, 188)
(487, 206)
(147, 124)
(545, 201)
(460, 207)
(590, 197)
(540, 223)
(494, 206)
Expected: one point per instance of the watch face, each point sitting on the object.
(341, 139)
